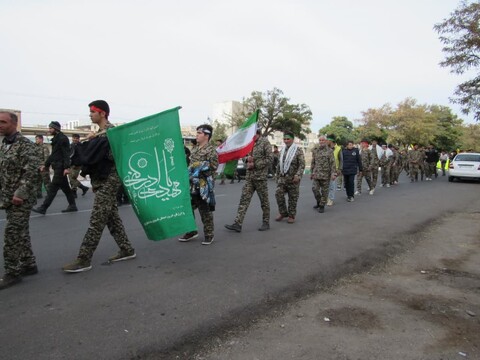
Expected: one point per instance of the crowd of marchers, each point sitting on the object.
(26, 167)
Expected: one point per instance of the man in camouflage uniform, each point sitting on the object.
(422, 161)
(99, 164)
(414, 158)
(203, 156)
(374, 165)
(289, 173)
(395, 161)
(19, 164)
(258, 162)
(366, 156)
(385, 164)
(76, 167)
(323, 172)
(43, 153)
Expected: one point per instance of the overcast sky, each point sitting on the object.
(338, 57)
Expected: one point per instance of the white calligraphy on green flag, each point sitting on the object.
(151, 163)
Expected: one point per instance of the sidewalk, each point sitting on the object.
(423, 304)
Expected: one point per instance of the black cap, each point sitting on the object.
(55, 125)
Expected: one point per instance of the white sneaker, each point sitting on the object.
(371, 191)
(388, 185)
(329, 202)
(357, 192)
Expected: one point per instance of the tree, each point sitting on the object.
(276, 113)
(460, 35)
(470, 138)
(219, 130)
(341, 128)
(449, 127)
(373, 124)
(411, 123)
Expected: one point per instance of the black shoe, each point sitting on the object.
(27, 271)
(208, 240)
(321, 209)
(9, 280)
(316, 206)
(235, 227)
(70, 208)
(40, 210)
(84, 190)
(188, 236)
(264, 227)
(74, 194)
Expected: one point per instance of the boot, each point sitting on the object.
(70, 208)
(40, 210)
(84, 189)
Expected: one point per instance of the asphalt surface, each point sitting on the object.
(176, 297)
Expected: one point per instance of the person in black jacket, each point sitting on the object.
(76, 167)
(59, 160)
(351, 165)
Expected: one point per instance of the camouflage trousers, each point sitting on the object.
(364, 174)
(44, 180)
(414, 168)
(340, 183)
(430, 169)
(104, 213)
(287, 187)
(261, 187)
(17, 248)
(393, 174)
(205, 215)
(386, 173)
(320, 188)
(374, 176)
(73, 177)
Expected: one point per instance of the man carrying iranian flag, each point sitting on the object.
(260, 156)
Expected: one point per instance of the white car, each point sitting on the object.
(465, 166)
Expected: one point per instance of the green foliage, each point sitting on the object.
(219, 130)
(449, 127)
(460, 35)
(276, 113)
(470, 137)
(341, 128)
(411, 123)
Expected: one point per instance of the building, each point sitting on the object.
(224, 111)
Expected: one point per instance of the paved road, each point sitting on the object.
(176, 296)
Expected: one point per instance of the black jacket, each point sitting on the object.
(60, 156)
(352, 162)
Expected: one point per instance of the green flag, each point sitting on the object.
(151, 163)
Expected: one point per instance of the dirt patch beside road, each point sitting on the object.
(423, 304)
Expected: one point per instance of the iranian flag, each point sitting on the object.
(238, 145)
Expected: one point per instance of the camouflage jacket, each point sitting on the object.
(415, 157)
(43, 152)
(205, 153)
(262, 158)
(19, 164)
(297, 166)
(375, 159)
(323, 163)
(366, 156)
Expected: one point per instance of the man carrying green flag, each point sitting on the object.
(99, 164)
(203, 164)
